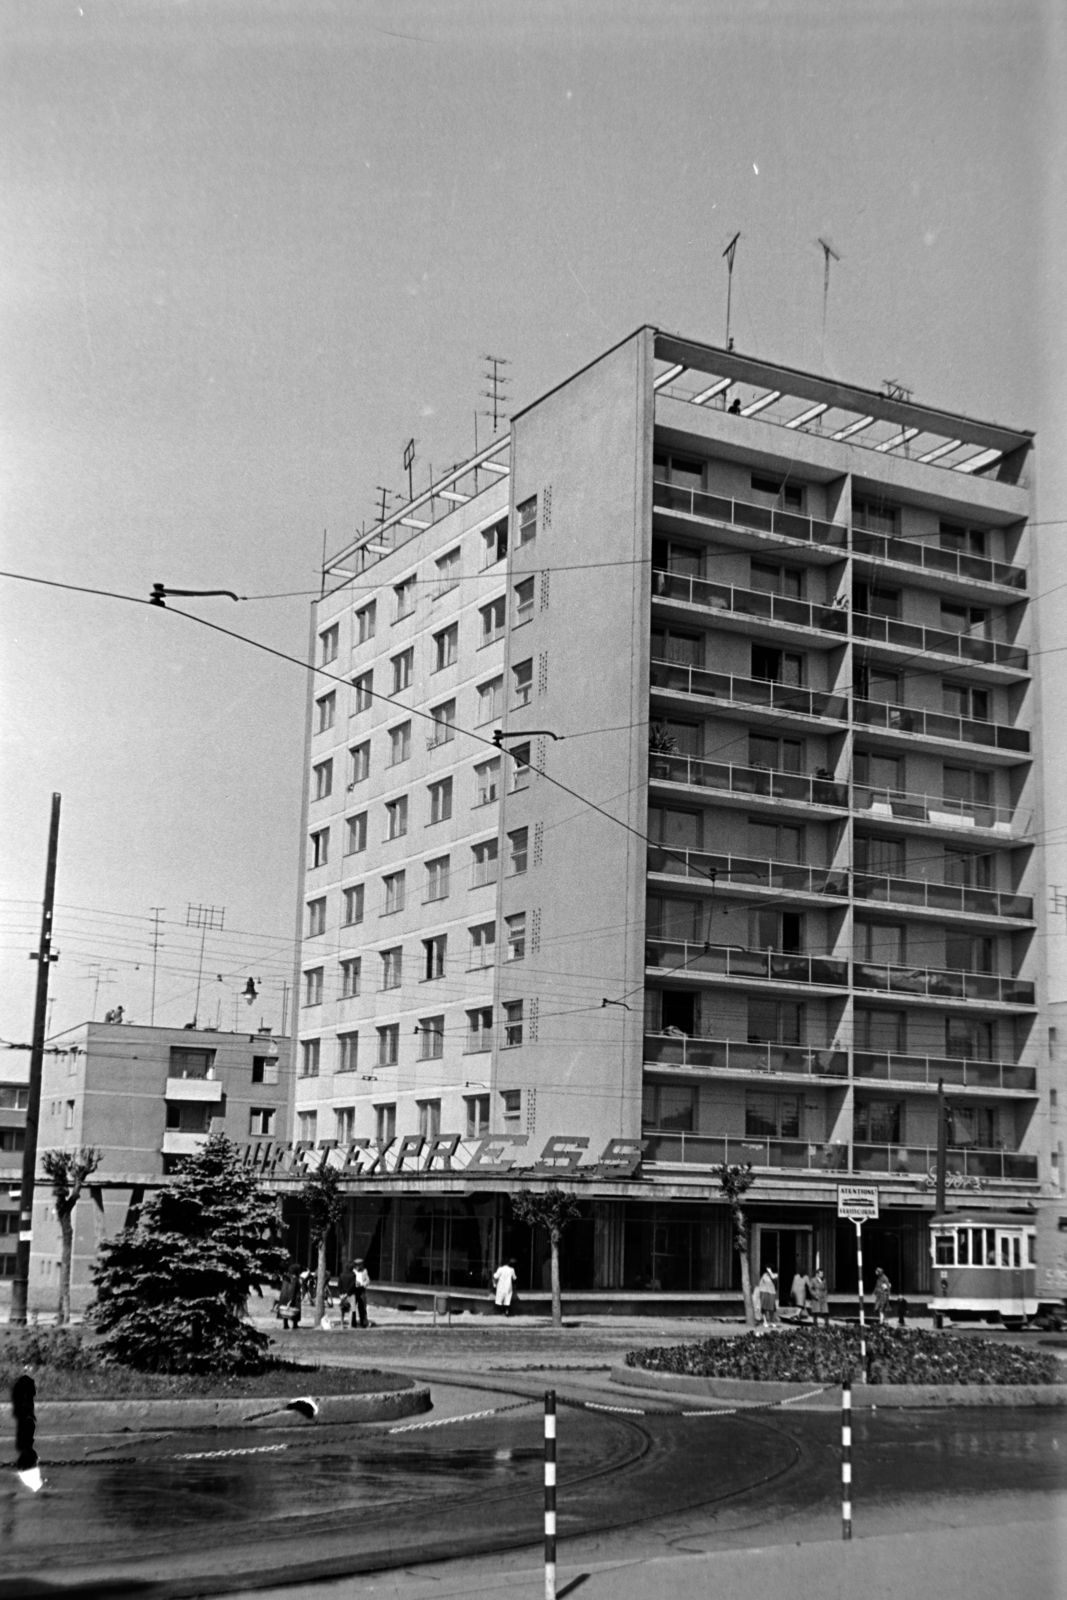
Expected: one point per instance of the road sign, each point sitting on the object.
(858, 1202)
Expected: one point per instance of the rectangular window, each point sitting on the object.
(445, 647)
(188, 1064)
(772, 841)
(771, 665)
(511, 1105)
(441, 800)
(779, 490)
(392, 967)
(393, 886)
(261, 1122)
(431, 1038)
(313, 986)
(877, 1122)
(329, 642)
(882, 858)
(264, 1069)
(966, 541)
(359, 764)
(480, 1029)
(429, 1118)
(433, 957)
(385, 1122)
(524, 601)
(483, 944)
(444, 723)
(310, 1053)
(516, 935)
(344, 1124)
(490, 701)
(437, 879)
(968, 869)
(527, 515)
(307, 1126)
(365, 622)
(403, 668)
(396, 817)
(447, 572)
(776, 930)
(316, 917)
(669, 1106)
(958, 618)
(495, 543)
(875, 517)
(399, 744)
(969, 785)
(319, 853)
(779, 755)
(352, 902)
(350, 976)
(876, 684)
(364, 696)
(964, 700)
(774, 1021)
(487, 781)
(326, 710)
(513, 1023)
(881, 1032)
(769, 578)
(875, 601)
(355, 834)
(884, 775)
(405, 598)
(68, 1119)
(347, 1052)
(492, 616)
(968, 1039)
(322, 779)
(389, 1045)
(517, 851)
(522, 682)
(483, 863)
(772, 1116)
(968, 952)
(880, 942)
(477, 1115)
(14, 1098)
(520, 770)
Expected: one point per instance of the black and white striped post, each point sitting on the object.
(846, 1459)
(863, 1315)
(550, 1494)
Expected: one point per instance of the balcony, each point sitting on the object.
(747, 602)
(939, 725)
(956, 1072)
(703, 1150)
(940, 810)
(176, 1143)
(199, 1089)
(741, 514)
(937, 984)
(757, 781)
(931, 558)
(748, 872)
(940, 896)
(1007, 1166)
(678, 1050)
(730, 961)
(748, 693)
(961, 646)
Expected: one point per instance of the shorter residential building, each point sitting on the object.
(14, 1098)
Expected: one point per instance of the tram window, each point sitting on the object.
(963, 1255)
(945, 1249)
(983, 1252)
(1016, 1251)
(1031, 1249)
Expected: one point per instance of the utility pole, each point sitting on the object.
(44, 956)
(156, 913)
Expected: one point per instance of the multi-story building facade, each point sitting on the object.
(14, 1099)
(673, 775)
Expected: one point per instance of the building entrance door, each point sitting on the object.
(787, 1248)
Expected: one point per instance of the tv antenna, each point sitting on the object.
(157, 912)
(203, 917)
(728, 256)
(829, 253)
(409, 462)
(385, 495)
(896, 391)
(498, 383)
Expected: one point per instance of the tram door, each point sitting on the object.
(788, 1250)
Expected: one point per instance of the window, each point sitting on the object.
(326, 710)
(355, 834)
(480, 1029)
(307, 1126)
(12, 1139)
(973, 1125)
(364, 687)
(261, 1122)
(344, 1124)
(68, 1119)
(403, 666)
(350, 976)
(313, 986)
(405, 598)
(775, 1021)
(385, 1123)
(967, 952)
(477, 1115)
(520, 772)
(399, 744)
(495, 543)
(433, 957)
(316, 917)
(668, 1106)
(487, 780)
(365, 622)
(347, 1052)
(772, 1116)
(875, 683)
(14, 1098)
(429, 1118)
(776, 930)
(968, 785)
(181, 1118)
(957, 618)
(441, 800)
(393, 885)
(516, 935)
(187, 1064)
(968, 869)
(511, 1105)
(524, 601)
(672, 556)
(329, 641)
(966, 541)
(389, 1044)
(396, 817)
(884, 775)
(483, 944)
(522, 682)
(492, 617)
(431, 1038)
(767, 578)
(875, 601)
(877, 1122)
(359, 769)
(352, 903)
(513, 1023)
(527, 515)
(883, 858)
(490, 700)
(679, 830)
(874, 517)
(789, 495)
(881, 942)
(392, 965)
(770, 665)
(483, 863)
(444, 723)
(968, 1039)
(678, 647)
(447, 572)
(437, 879)
(517, 851)
(320, 848)
(322, 779)
(963, 700)
(881, 1032)
(774, 841)
(445, 647)
(780, 755)
(310, 1052)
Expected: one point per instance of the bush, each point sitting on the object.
(58, 1349)
(825, 1355)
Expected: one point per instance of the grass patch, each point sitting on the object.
(825, 1355)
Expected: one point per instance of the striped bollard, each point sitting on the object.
(863, 1315)
(846, 1459)
(550, 1494)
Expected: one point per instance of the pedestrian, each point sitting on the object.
(882, 1291)
(23, 1408)
(362, 1285)
(820, 1305)
(798, 1293)
(346, 1289)
(290, 1294)
(768, 1296)
(504, 1284)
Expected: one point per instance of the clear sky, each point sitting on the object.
(250, 247)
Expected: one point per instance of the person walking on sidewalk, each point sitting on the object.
(346, 1290)
(820, 1303)
(882, 1291)
(504, 1285)
(290, 1295)
(362, 1284)
(768, 1296)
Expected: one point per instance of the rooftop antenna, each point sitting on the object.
(828, 252)
(203, 917)
(385, 495)
(729, 253)
(894, 390)
(498, 383)
(409, 462)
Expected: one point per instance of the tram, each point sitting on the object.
(984, 1265)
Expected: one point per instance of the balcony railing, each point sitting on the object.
(677, 1049)
(921, 1162)
(747, 780)
(747, 870)
(748, 692)
(939, 725)
(957, 1072)
(941, 984)
(964, 646)
(776, 966)
(747, 602)
(939, 896)
(941, 809)
(741, 514)
(956, 563)
(902, 1161)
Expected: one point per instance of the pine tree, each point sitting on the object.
(172, 1290)
(551, 1209)
(68, 1171)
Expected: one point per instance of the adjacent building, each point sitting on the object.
(14, 1098)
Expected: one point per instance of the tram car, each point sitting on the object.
(984, 1265)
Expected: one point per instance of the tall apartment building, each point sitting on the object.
(673, 776)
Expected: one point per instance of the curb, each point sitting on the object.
(868, 1395)
(65, 1417)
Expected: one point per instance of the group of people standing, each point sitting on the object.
(810, 1296)
(296, 1287)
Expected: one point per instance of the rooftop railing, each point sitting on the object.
(939, 983)
(677, 1049)
(920, 1161)
(939, 896)
(758, 781)
(962, 1073)
(742, 514)
(941, 809)
(747, 602)
(749, 692)
(938, 725)
(775, 966)
(963, 646)
(933, 558)
(748, 870)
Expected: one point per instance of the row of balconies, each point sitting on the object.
(784, 1060)
(801, 1155)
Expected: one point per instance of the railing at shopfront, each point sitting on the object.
(956, 1072)
(964, 646)
(931, 557)
(752, 693)
(938, 896)
(937, 725)
(679, 1050)
(941, 809)
(742, 514)
(900, 1161)
(732, 961)
(941, 984)
(759, 873)
(757, 781)
(747, 602)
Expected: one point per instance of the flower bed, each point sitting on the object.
(825, 1355)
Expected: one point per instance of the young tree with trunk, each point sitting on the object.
(552, 1210)
(68, 1172)
(735, 1183)
(326, 1207)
